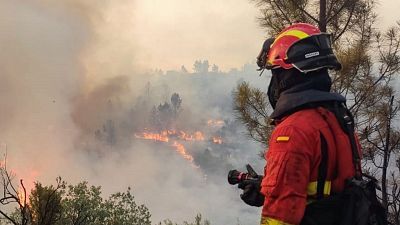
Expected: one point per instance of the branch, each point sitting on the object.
(347, 24)
(337, 12)
(304, 11)
(8, 218)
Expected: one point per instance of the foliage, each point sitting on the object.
(198, 220)
(165, 115)
(123, 210)
(83, 205)
(76, 205)
(45, 203)
(251, 108)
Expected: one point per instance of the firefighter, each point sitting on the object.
(309, 155)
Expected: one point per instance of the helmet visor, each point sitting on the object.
(312, 53)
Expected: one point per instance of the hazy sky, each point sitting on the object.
(175, 32)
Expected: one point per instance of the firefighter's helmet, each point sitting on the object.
(302, 46)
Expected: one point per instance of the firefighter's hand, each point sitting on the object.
(251, 193)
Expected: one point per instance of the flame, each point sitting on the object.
(173, 136)
(163, 137)
(182, 151)
(197, 136)
(26, 182)
(166, 135)
(217, 140)
(29, 184)
(215, 123)
(21, 195)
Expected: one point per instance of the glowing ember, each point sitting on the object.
(215, 123)
(21, 195)
(217, 140)
(197, 136)
(163, 137)
(29, 182)
(166, 135)
(182, 151)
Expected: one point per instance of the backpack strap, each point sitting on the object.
(346, 121)
(323, 167)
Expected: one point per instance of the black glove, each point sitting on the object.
(251, 192)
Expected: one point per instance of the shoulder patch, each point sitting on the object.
(282, 139)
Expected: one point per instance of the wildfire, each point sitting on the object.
(217, 140)
(22, 196)
(173, 137)
(28, 182)
(167, 135)
(182, 151)
(163, 136)
(215, 123)
(197, 136)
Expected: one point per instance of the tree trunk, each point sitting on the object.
(386, 156)
(322, 15)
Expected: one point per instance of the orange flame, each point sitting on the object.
(215, 123)
(182, 151)
(163, 137)
(197, 136)
(166, 135)
(21, 195)
(217, 140)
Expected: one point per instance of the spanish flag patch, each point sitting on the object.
(282, 139)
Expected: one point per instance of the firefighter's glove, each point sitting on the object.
(251, 192)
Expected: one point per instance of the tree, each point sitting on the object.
(176, 102)
(201, 67)
(252, 110)
(14, 196)
(83, 205)
(45, 203)
(215, 68)
(184, 70)
(370, 60)
(79, 205)
(123, 210)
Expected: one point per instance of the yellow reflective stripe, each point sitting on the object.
(282, 138)
(270, 221)
(296, 33)
(312, 188)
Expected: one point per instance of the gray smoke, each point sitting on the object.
(74, 93)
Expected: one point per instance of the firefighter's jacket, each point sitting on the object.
(294, 155)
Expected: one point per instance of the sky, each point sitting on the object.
(226, 32)
(178, 32)
(62, 61)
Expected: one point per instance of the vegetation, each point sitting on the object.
(63, 204)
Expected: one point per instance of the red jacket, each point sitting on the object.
(293, 158)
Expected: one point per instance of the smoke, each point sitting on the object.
(75, 90)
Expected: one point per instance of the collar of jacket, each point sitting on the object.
(288, 102)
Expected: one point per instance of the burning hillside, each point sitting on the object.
(176, 139)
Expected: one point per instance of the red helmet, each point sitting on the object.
(302, 46)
